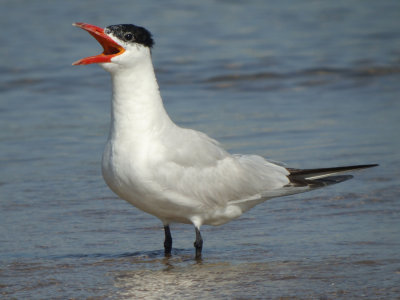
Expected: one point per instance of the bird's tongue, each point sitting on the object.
(110, 48)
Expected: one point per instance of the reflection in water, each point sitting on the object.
(176, 279)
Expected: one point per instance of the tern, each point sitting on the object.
(176, 174)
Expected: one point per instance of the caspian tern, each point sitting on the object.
(178, 174)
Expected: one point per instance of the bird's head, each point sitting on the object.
(123, 45)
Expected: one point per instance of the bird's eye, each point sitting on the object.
(128, 36)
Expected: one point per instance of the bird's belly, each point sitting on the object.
(128, 179)
(167, 206)
(131, 179)
(153, 203)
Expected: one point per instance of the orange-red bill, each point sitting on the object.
(110, 48)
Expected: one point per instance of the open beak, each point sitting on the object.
(110, 48)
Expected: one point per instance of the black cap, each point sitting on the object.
(131, 33)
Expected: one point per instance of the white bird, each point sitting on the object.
(178, 174)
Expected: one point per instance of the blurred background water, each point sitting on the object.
(309, 83)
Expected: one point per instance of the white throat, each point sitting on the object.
(137, 108)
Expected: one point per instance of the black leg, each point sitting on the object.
(167, 241)
(198, 244)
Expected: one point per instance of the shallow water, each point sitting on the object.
(311, 84)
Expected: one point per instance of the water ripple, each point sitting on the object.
(318, 72)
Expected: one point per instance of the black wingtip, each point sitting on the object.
(316, 176)
(330, 170)
(328, 180)
(366, 166)
(372, 165)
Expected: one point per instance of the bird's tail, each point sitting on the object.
(302, 181)
(315, 178)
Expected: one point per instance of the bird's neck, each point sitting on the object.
(137, 107)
